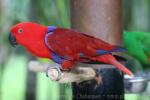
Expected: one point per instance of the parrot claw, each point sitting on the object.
(98, 80)
(54, 73)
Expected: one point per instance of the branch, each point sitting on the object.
(77, 74)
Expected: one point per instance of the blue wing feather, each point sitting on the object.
(117, 49)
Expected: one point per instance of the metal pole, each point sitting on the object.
(102, 19)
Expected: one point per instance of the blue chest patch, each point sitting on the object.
(49, 32)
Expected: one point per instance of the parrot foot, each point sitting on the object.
(98, 80)
(54, 73)
(67, 65)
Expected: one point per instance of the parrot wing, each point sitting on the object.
(70, 44)
(139, 45)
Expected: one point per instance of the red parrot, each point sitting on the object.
(64, 46)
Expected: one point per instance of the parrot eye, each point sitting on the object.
(20, 30)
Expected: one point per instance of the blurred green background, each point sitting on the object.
(16, 81)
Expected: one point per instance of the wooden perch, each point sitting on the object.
(78, 74)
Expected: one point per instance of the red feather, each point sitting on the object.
(66, 42)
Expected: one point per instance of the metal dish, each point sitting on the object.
(137, 83)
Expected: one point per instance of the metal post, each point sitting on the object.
(102, 19)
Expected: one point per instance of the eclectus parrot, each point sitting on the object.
(138, 45)
(64, 46)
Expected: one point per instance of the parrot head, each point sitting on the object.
(31, 36)
(25, 32)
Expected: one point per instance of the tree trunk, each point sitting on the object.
(102, 19)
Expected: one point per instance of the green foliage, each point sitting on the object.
(18, 10)
(14, 79)
(52, 12)
(137, 97)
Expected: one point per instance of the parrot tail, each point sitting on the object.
(121, 67)
(110, 59)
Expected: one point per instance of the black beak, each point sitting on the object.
(12, 40)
